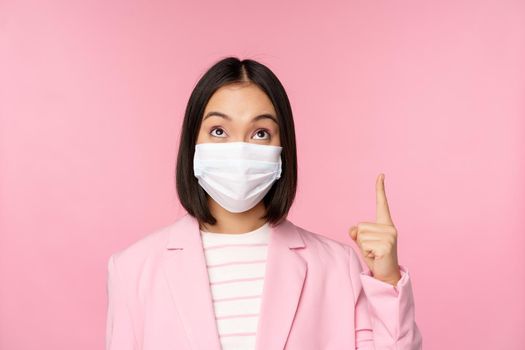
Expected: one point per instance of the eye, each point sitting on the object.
(262, 131)
(221, 131)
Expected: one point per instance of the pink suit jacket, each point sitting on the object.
(316, 296)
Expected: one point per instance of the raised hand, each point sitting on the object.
(378, 240)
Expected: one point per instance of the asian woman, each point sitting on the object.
(234, 272)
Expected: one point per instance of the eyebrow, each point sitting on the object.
(225, 116)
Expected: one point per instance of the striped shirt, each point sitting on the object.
(236, 266)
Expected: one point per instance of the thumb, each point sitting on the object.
(353, 232)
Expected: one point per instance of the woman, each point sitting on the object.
(234, 272)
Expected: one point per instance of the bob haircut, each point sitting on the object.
(231, 70)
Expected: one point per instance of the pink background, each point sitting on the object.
(430, 93)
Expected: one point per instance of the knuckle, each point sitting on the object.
(392, 239)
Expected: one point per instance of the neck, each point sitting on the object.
(228, 222)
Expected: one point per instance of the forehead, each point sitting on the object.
(240, 99)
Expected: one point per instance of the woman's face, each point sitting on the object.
(240, 112)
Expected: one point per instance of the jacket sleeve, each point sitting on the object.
(384, 314)
(119, 327)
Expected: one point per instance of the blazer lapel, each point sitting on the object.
(283, 284)
(185, 266)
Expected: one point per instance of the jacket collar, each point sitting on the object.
(186, 229)
(184, 265)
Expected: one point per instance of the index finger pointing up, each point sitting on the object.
(382, 210)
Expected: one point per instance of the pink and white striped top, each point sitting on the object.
(236, 266)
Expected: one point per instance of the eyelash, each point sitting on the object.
(215, 127)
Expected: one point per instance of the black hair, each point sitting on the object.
(232, 70)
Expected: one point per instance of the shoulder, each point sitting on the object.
(136, 255)
(334, 253)
(322, 244)
(320, 241)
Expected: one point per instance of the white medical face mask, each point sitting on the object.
(237, 175)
